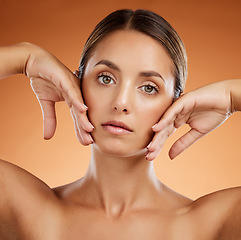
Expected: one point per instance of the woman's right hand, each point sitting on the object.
(52, 82)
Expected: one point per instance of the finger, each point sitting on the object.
(49, 118)
(178, 112)
(151, 155)
(71, 89)
(181, 119)
(184, 142)
(157, 143)
(72, 101)
(80, 116)
(160, 137)
(76, 129)
(162, 124)
(73, 98)
(168, 117)
(83, 136)
(82, 120)
(86, 137)
(183, 116)
(69, 86)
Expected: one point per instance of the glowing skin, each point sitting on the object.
(120, 198)
(128, 79)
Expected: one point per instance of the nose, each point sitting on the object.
(123, 99)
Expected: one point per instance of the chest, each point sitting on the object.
(136, 226)
(91, 225)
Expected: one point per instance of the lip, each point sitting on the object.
(116, 127)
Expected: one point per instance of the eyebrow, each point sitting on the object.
(151, 74)
(108, 64)
(142, 74)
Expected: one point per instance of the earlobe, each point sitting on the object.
(182, 93)
(76, 73)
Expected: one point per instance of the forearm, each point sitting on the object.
(13, 59)
(235, 94)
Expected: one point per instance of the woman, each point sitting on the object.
(132, 68)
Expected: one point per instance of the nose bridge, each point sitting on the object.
(123, 96)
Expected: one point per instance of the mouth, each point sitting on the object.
(116, 127)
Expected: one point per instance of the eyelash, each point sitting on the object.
(109, 76)
(104, 75)
(154, 87)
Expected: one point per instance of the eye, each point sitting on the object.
(105, 79)
(149, 89)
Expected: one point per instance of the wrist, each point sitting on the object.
(13, 59)
(24, 53)
(234, 87)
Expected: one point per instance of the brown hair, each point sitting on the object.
(148, 23)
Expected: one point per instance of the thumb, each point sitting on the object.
(184, 142)
(49, 118)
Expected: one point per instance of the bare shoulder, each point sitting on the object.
(23, 198)
(14, 179)
(222, 211)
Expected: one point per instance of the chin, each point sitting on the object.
(121, 146)
(116, 150)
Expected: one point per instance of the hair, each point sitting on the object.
(148, 23)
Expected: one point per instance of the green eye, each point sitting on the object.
(148, 88)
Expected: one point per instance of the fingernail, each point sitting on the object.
(85, 106)
(154, 126)
(92, 126)
(91, 139)
(149, 145)
(147, 154)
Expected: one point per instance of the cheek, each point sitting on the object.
(92, 104)
(150, 114)
(88, 98)
(152, 111)
(96, 102)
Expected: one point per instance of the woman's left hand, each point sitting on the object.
(203, 110)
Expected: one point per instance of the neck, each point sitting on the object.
(117, 184)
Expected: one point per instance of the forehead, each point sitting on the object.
(130, 49)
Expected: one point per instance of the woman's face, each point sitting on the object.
(128, 84)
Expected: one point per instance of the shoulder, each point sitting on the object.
(23, 198)
(222, 211)
(14, 179)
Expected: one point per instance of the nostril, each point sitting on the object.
(123, 110)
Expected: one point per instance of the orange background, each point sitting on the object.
(211, 31)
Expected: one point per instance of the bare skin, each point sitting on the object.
(34, 211)
(120, 197)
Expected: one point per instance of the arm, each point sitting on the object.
(235, 94)
(23, 199)
(51, 81)
(13, 59)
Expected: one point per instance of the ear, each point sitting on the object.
(76, 73)
(182, 93)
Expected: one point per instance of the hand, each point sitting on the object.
(53, 82)
(203, 110)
